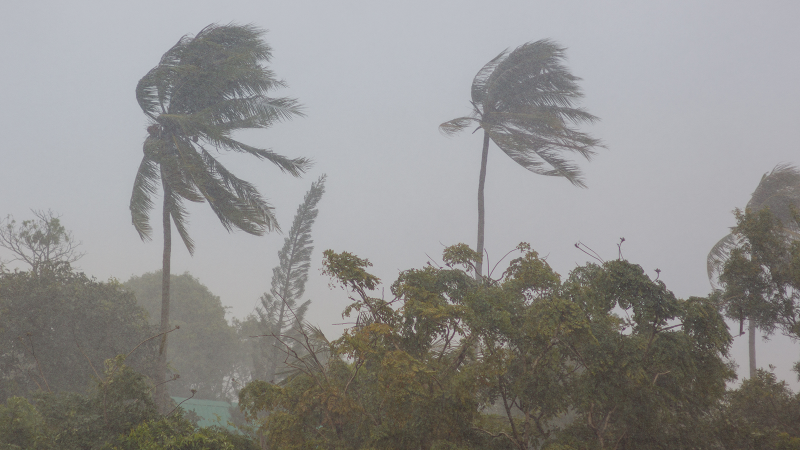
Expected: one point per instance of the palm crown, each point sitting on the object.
(204, 88)
(524, 100)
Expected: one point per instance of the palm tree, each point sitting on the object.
(524, 102)
(204, 88)
(779, 191)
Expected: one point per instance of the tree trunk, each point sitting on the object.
(161, 366)
(481, 212)
(276, 342)
(278, 328)
(751, 338)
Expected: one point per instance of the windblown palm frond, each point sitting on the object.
(204, 88)
(719, 253)
(779, 190)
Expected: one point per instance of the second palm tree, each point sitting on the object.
(524, 101)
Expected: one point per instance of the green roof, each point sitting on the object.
(211, 412)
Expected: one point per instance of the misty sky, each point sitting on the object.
(697, 101)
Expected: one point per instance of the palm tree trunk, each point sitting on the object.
(751, 338)
(481, 211)
(161, 365)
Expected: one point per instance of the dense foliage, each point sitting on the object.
(606, 357)
(779, 193)
(762, 414)
(204, 351)
(525, 361)
(57, 328)
(762, 273)
(117, 413)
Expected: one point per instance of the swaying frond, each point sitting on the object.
(289, 278)
(174, 204)
(778, 190)
(144, 187)
(719, 253)
(454, 126)
(204, 89)
(479, 82)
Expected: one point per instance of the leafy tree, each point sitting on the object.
(58, 327)
(762, 273)
(204, 89)
(524, 102)
(178, 434)
(21, 426)
(384, 398)
(649, 377)
(778, 191)
(40, 242)
(762, 413)
(524, 361)
(117, 401)
(117, 413)
(205, 348)
(280, 316)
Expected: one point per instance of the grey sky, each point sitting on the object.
(697, 101)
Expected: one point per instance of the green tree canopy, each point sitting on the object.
(761, 275)
(58, 327)
(205, 348)
(524, 361)
(778, 191)
(117, 413)
(763, 413)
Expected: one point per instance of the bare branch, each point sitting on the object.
(39, 242)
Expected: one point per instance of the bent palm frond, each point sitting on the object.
(144, 187)
(452, 127)
(479, 82)
(719, 253)
(778, 190)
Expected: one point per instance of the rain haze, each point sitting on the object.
(697, 100)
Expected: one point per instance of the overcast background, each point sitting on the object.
(697, 101)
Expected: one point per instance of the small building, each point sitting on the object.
(211, 412)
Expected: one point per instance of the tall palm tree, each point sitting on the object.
(524, 102)
(778, 190)
(204, 88)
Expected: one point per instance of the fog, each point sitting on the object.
(697, 100)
